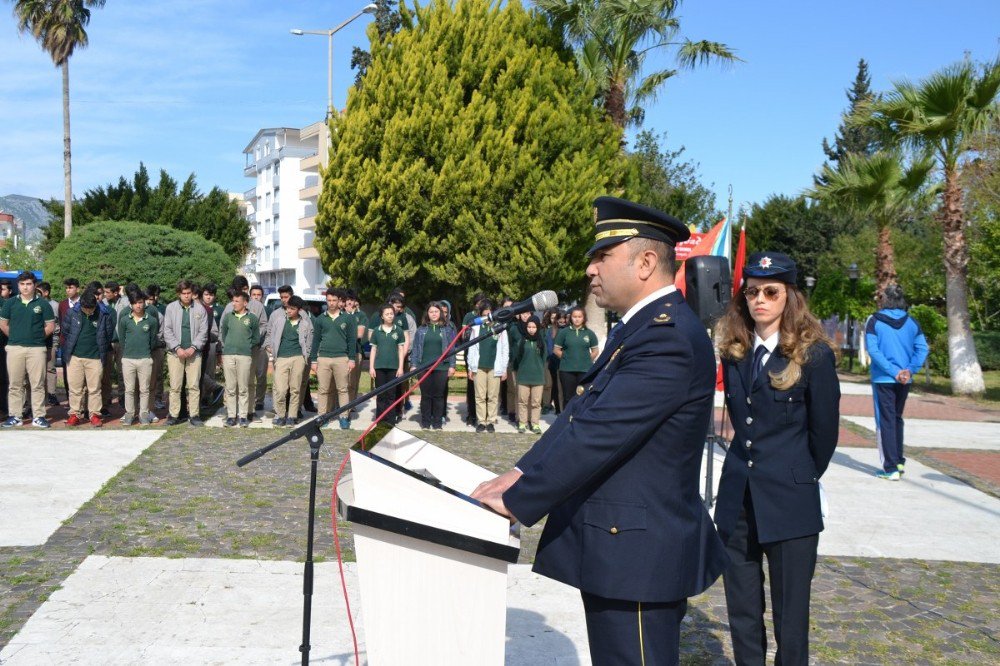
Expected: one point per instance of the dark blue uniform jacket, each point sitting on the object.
(783, 443)
(617, 474)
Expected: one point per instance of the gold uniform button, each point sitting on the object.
(580, 390)
(614, 530)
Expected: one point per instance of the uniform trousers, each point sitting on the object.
(383, 400)
(178, 369)
(208, 366)
(112, 372)
(84, 378)
(790, 567)
(4, 381)
(890, 400)
(50, 371)
(334, 377)
(639, 633)
(237, 371)
(26, 362)
(529, 405)
(137, 374)
(433, 392)
(156, 386)
(487, 395)
(568, 381)
(287, 384)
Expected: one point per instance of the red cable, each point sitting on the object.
(343, 464)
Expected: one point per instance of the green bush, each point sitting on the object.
(988, 349)
(137, 252)
(935, 328)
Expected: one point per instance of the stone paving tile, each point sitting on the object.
(978, 468)
(184, 497)
(926, 406)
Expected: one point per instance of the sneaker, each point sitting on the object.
(521, 428)
(150, 418)
(196, 422)
(277, 423)
(291, 422)
(95, 420)
(888, 476)
(491, 428)
(12, 422)
(127, 420)
(244, 423)
(229, 423)
(536, 429)
(481, 428)
(345, 423)
(145, 420)
(172, 420)
(40, 422)
(901, 468)
(73, 420)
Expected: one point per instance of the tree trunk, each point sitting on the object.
(67, 171)
(966, 373)
(885, 262)
(614, 103)
(596, 316)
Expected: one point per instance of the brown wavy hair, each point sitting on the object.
(799, 331)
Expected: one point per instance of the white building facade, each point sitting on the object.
(285, 165)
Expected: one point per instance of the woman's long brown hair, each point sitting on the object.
(799, 331)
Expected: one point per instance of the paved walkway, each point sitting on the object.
(929, 433)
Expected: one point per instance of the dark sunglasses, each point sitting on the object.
(771, 292)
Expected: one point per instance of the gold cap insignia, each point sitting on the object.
(661, 318)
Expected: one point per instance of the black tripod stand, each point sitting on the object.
(312, 431)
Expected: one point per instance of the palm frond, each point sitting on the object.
(691, 54)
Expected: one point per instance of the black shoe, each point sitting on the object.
(309, 406)
(230, 422)
(278, 422)
(196, 422)
(491, 428)
(105, 411)
(249, 417)
(259, 407)
(244, 423)
(407, 406)
(438, 427)
(52, 400)
(298, 415)
(172, 421)
(291, 422)
(480, 428)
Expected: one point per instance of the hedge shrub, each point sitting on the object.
(137, 252)
(988, 349)
(935, 328)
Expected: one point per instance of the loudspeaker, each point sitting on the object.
(709, 286)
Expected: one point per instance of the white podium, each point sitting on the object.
(432, 562)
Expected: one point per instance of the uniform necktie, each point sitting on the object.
(758, 362)
(612, 334)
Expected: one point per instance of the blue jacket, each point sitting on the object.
(783, 442)
(417, 352)
(618, 472)
(73, 322)
(895, 342)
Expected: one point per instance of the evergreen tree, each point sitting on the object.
(387, 23)
(468, 161)
(854, 139)
(793, 226)
(212, 215)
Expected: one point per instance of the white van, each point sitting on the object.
(315, 302)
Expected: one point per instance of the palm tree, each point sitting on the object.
(59, 26)
(941, 115)
(881, 188)
(613, 38)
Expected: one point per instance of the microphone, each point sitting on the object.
(543, 300)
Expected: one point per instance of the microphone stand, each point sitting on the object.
(311, 430)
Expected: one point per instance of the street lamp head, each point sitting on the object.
(810, 282)
(853, 273)
(370, 8)
(296, 31)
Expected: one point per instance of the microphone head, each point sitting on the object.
(544, 300)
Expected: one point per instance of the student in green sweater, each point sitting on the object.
(239, 334)
(528, 356)
(335, 337)
(137, 337)
(290, 341)
(576, 347)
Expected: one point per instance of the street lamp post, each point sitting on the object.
(367, 9)
(810, 285)
(852, 274)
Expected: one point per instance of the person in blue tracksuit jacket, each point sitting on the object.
(898, 350)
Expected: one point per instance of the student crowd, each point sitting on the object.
(124, 343)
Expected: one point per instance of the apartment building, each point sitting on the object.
(284, 162)
(8, 230)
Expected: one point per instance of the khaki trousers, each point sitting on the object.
(487, 395)
(287, 380)
(334, 381)
(258, 379)
(237, 371)
(529, 406)
(84, 372)
(137, 374)
(26, 363)
(156, 387)
(179, 369)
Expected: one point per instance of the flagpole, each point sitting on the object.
(730, 218)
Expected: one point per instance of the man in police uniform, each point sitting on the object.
(617, 474)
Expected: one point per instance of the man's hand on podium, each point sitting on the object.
(491, 492)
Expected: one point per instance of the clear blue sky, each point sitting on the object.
(185, 85)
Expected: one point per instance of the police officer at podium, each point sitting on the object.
(617, 474)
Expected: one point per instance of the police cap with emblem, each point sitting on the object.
(618, 220)
(771, 265)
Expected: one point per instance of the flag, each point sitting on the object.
(741, 258)
(716, 242)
